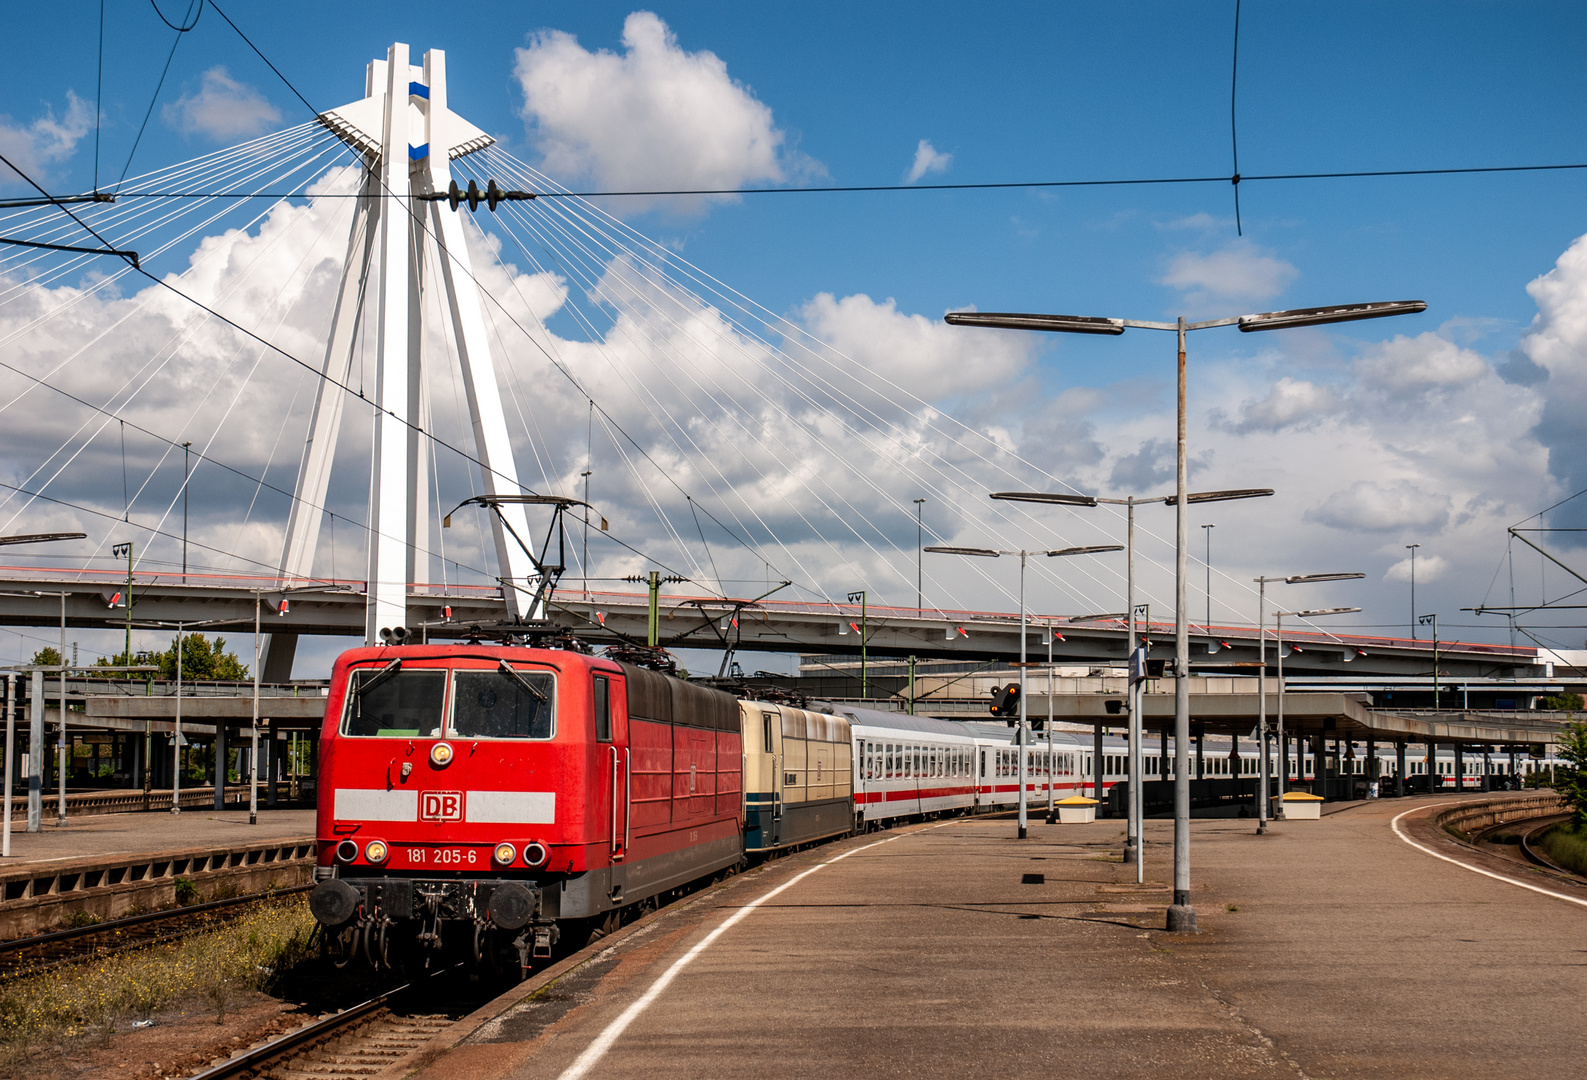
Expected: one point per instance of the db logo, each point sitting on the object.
(441, 806)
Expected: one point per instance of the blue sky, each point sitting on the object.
(1005, 92)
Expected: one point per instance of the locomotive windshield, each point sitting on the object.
(394, 703)
(503, 704)
(391, 703)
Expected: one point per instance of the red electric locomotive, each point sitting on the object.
(477, 798)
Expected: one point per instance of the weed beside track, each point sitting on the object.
(215, 968)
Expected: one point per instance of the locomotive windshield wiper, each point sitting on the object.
(381, 676)
(517, 677)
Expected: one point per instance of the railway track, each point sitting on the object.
(358, 1041)
(1519, 835)
(38, 953)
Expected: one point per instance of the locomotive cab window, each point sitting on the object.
(391, 703)
(603, 709)
(504, 704)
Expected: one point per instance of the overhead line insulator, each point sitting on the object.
(491, 196)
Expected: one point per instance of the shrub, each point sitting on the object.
(186, 891)
(1571, 779)
(1567, 846)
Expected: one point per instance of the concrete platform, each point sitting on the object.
(118, 864)
(119, 836)
(930, 952)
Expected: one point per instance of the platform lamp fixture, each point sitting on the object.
(1432, 620)
(1024, 722)
(1181, 915)
(1133, 848)
(1261, 691)
(1278, 633)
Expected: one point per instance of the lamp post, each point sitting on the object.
(1207, 532)
(186, 474)
(1181, 915)
(1024, 730)
(920, 566)
(1133, 814)
(1261, 691)
(1412, 549)
(60, 746)
(1432, 620)
(1278, 641)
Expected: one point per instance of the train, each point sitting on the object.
(483, 801)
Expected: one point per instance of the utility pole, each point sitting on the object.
(1412, 548)
(1432, 620)
(253, 747)
(859, 598)
(1207, 531)
(148, 725)
(186, 473)
(920, 578)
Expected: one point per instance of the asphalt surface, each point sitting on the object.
(928, 954)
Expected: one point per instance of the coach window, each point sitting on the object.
(511, 704)
(765, 731)
(391, 703)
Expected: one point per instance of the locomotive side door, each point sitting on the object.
(772, 732)
(609, 704)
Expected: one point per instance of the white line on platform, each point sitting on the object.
(603, 1042)
(1395, 825)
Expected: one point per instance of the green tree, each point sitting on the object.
(1566, 702)
(202, 659)
(1570, 780)
(49, 656)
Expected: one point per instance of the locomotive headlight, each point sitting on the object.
(441, 755)
(347, 850)
(375, 851)
(505, 854)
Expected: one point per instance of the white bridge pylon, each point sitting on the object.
(408, 137)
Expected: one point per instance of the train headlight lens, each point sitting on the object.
(535, 854)
(347, 850)
(505, 854)
(375, 851)
(441, 755)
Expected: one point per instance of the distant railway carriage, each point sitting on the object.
(798, 776)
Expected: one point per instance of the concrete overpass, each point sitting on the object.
(605, 617)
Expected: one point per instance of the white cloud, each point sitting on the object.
(1424, 362)
(927, 160)
(929, 357)
(1240, 272)
(653, 117)
(1375, 507)
(1290, 403)
(46, 141)
(1429, 568)
(222, 109)
(1556, 344)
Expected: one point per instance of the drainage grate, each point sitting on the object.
(1033, 879)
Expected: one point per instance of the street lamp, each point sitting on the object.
(1278, 634)
(186, 475)
(1134, 848)
(1263, 776)
(1181, 915)
(1024, 730)
(920, 566)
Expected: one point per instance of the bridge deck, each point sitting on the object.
(925, 955)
